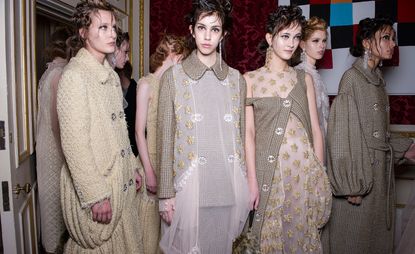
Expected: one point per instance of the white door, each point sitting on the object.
(17, 93)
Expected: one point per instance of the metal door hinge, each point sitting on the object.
(11, 137)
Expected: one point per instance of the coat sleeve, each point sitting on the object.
(166, 128)
(399, 145)
(349, 163)
(75, 124)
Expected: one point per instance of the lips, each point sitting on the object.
(205, 45)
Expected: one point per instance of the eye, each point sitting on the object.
(200, 27)
(103, 27)
(386, 37)
(315, 40)
(324, 40)
(284, 36)
(216, 30)
(297, 37)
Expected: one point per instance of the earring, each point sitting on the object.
(365, 58)
(380, 63)
(220, 55)
(303, 57)
(268, 57)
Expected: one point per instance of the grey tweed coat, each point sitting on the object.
(361, 156)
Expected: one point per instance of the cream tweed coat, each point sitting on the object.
(99, 161)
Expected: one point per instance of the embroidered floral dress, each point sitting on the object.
(299, 198)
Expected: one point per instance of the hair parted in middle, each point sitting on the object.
(203, 8)
(284, 16)
(168, 42)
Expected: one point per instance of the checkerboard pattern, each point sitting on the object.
(343, 16)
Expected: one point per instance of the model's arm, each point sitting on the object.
(315, 126)
(144, 97)
(75, 124)
(349, 164)
(250, 148)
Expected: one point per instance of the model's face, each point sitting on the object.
(315, 46)
(285, 42)
(207, 33)
(383, 45)
(121, 54)
(100, 36)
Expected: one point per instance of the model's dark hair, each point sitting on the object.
(57, 44)
(178, 45)
(82, 19)
(284, 16)
(121, 37)
(203, 8)
(366, 31)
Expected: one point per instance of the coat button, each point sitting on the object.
(123, 153)
(376, 107)
(113, 116)
(228, 118)
(265, 188)
(279, 131)
(271, 158)
(196, 117)
(202, 160)
(131, 182)
(376, 134)
(125, 187)
(286, 103)
(258, 217)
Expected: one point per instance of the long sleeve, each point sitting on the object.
(349, 163)
(75, 124)
(165, 136)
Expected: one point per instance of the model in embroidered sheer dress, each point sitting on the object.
(99, 179)
(362, 151)
(203, 185)
(284, 144)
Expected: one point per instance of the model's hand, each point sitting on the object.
(253, 194)
(410, 154)
(354, 200)
(138, 181)
(151, 181)
(166, 208)
(102, 212)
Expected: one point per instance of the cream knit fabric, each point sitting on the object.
(99, 161)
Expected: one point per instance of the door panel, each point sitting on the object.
(17, 159)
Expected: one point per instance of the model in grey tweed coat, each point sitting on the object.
(361, 155)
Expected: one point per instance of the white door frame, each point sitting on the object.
(16, 110)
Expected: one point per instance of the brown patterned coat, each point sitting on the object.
(360, 147)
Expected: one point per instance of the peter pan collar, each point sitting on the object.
(374, 77)
(102, 72)
(195, 69)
